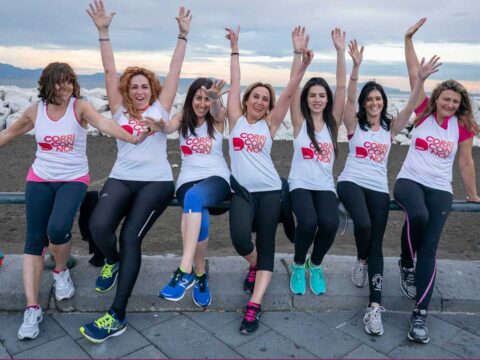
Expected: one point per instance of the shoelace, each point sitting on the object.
(107, 271)
(360, 271)
(297, 272)
(251, 313)
(177, 275)
(376, 314)
(105, 321)
(419, 321)
(202, 283)
(410, 277)
(252, 273)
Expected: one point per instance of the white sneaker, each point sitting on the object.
(359, 274)
(63, 285)
(29, 328)
(373, 320)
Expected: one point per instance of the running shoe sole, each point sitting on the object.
(180, 297)
(98, 341)
(204, 306)
(373, 333)
(418, 341)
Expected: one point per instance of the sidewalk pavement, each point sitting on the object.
(309, 326)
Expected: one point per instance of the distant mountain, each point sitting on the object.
(27, 78)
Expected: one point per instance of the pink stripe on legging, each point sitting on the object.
(408, 230)
(429, 284)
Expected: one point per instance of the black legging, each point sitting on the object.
(140, 203)
(369, 212)
(267, 213)
(426, 211)
(317, 221)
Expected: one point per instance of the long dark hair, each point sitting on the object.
(189, 119)
(328, 117)
(56, 73)
(385, 118)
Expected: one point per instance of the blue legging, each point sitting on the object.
(198, 196)
(51, 209)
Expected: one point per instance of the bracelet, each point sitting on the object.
(297, 52)
(103, 39)
(353, 79)
(181, 37)
(235, 53)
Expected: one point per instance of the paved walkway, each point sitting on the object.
(292, 326)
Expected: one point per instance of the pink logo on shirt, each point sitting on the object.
(197, 145)
(252, 142)
(372, 150)
(324, 156)
(440, 148)
(62, 143)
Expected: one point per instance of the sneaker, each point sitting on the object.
(201, 292)
(360, 274)
(29, 328)
(179, 282)
(298, 284)
(63, 285)
(407, 281)
(373, 320)
(251, 318)
(317, 280)
(249, 283)
(418, 327)
(103, 328)
(108, 277)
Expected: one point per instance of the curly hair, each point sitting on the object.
(464, 112)
(385, 118)
(253, 86)
(56, 73)
(328, 117)
(189, 119)
(125, 79)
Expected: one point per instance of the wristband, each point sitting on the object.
(103, 39)
(353, 79)
(297, 52)
(234, 53)
(181, 37)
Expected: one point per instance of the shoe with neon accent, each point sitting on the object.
(418, 327)
(373, 320)
(249, 283)
(29, 328)
(201, 292)
(251, 318)
(178, 284)
(359, 274)
(104, 327)
(317, 279)
(108, 277)
(63, 285)
(298, 282)
(407, 281)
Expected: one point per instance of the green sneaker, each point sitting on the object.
(317, 280)
(298, 284)
(103, 328)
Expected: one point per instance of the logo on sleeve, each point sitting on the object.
(323, 156)
(197, 145)
(372, 150)
(437, 147)
(250, 142)
(62, 143)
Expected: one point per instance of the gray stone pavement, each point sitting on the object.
(327, 326)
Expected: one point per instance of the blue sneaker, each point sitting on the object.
(201, 292)
(103, 328)
(179, 282)
(108, 277)
(317, 280)
(298, 283)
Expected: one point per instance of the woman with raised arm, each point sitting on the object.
(444, 125)
(57, 180)
(363, 184)
(316, 116)
(140, 185)
(204, 181)
(253, 122)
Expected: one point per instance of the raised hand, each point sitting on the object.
(307, 58)
(214, 91)
(338, 38)
(99, 16)
(355, 53)
(233, 37)
(428, 68)
(413, 29)
(183, 19)
(299, 39)
(152, 124)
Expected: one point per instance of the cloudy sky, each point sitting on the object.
(36, 32)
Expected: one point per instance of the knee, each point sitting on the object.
(328, 224)
(419, 218)
(99, 229)
(59, 234)
(242, 242)
(193, 201)
(307, 225)
(363, 225)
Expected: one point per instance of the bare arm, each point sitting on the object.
(467, 169)
(338, 38)
(276, 116)
(412, 60)
(234, 106)
(19, 127)
(160, 125)
(350, 113)
(169, 91)
(300, 43)
(424, 71)
(102, 22)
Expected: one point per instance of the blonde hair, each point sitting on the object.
(464, 112)
(125, 79)
(253, 86)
